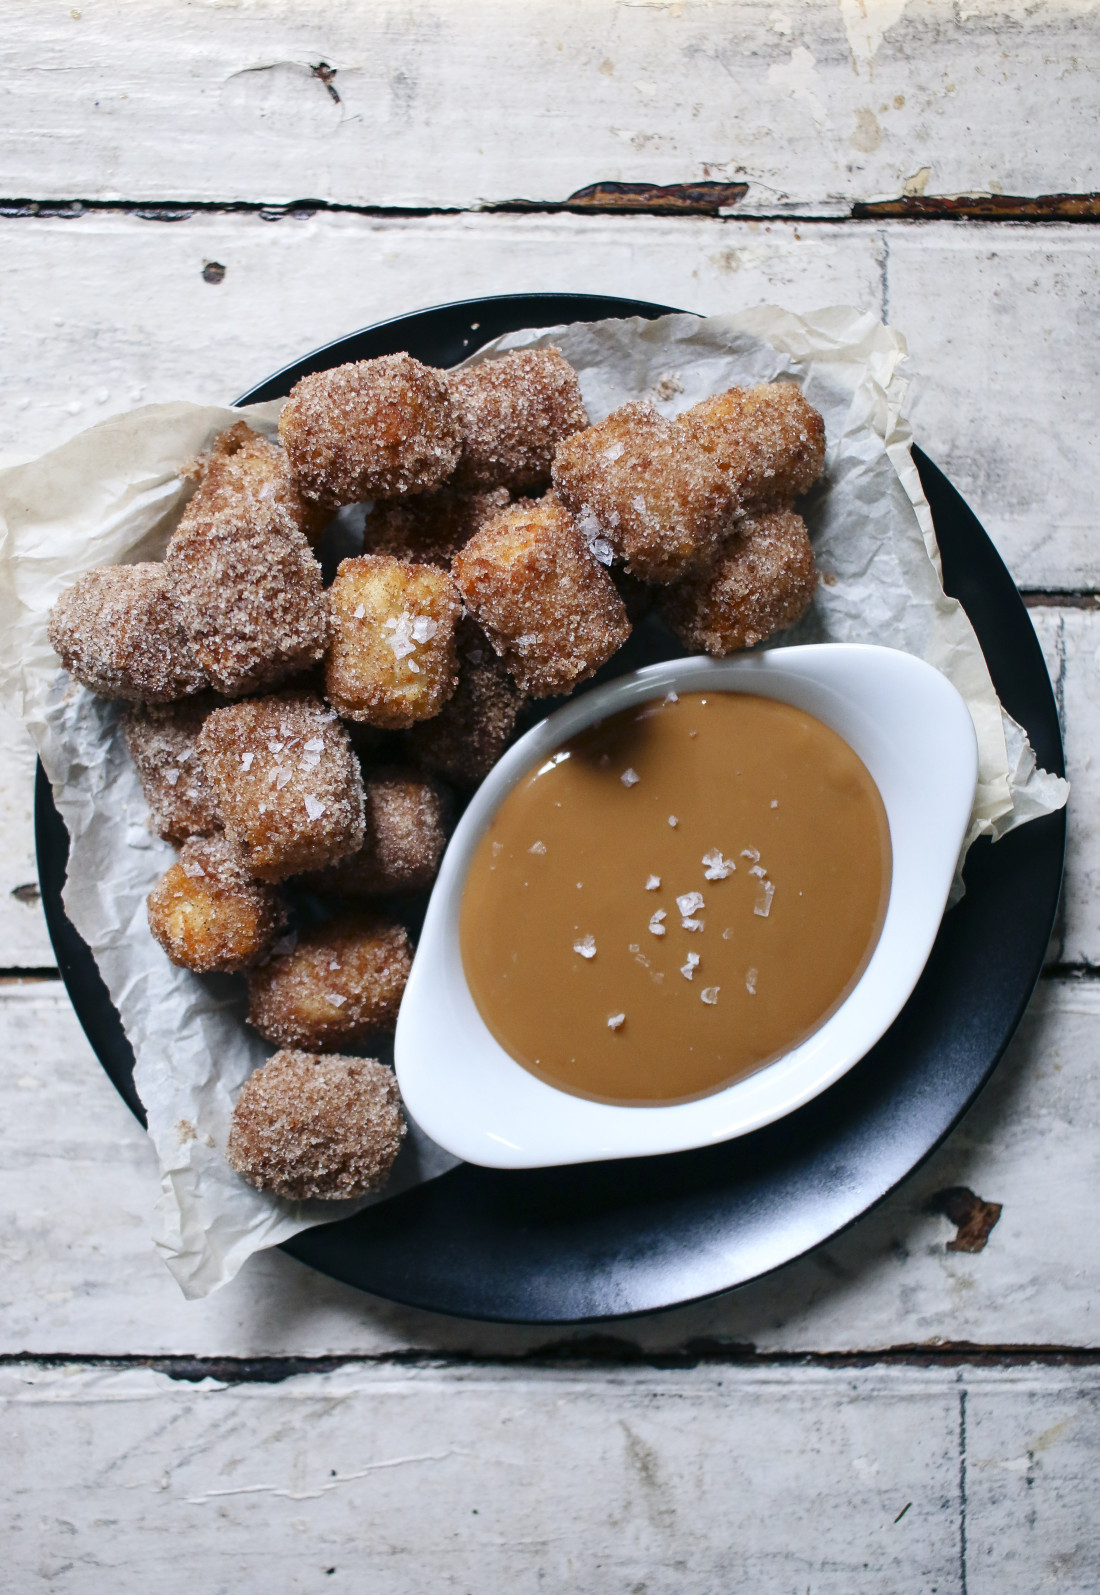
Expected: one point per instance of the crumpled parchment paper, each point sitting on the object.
(113, 494)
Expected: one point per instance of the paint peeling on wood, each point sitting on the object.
(974, 1218)
(679, 199)
(982, 207)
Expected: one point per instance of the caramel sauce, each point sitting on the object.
(561, 923)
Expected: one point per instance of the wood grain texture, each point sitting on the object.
(78, 1274)
(395, 1481)
(377, 103)
(978, 307)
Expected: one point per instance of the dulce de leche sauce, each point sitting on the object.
(677, 896)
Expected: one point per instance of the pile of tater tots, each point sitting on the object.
(304, 744)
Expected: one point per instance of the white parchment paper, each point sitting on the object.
(113, 494)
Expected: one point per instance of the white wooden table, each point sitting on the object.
(197, 193)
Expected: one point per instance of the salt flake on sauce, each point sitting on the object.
(586, 946)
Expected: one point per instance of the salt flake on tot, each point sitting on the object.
(586, 946)
(709, 994)
(689, 902)
(616, 1021)
(765, 891)
(717, 867)
(652, 883)
(655, 926)
(314, 808)
(688, 968)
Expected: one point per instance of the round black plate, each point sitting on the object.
(607, 1239)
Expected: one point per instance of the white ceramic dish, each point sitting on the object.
(912, 731)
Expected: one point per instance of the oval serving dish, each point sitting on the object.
(914, 734)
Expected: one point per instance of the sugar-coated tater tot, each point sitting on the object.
(307, 1127)
(287, 782)
(163, 743)
(407, 820)
(473, 728)
(243, 472)
(248, 590)
(513, 412)
(768, 442)
(209, 914)
(646, 492)
(118, 631)
(546, 603)
(762, 581)
(432, 528)
(391, 653)
(373, 429)
(341, 984)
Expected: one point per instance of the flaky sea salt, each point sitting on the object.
(537, 847)
(171, 776)
(335, 998)
(751, 852)
(690, 965)
(655, 926)
(691, 924)
(359, 612)
(246, 760)
(424, 628)
(764, 894)
(673, 821)
(689, 902)
(616, 1021)
(638, 505)
(727, 934)
(630, 778)
(314, 808)
(414, 667)
(276, 747)
(717, 867)
(586, 946)
(334, 964)
(282, 776)
(652, 883)
(614, 453)
(709, 994)
(402, 642)
(671, 697)
(314, 745)
(193, 868)
(774, 804)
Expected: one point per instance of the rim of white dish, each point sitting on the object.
(914, 734)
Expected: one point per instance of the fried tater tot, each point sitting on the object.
(513, 412)
(646, 491)
(432, 528)
(407, 822)
(391, 654)
(545, 602)
(767, 441)
(163, 743)
(308, 1127)
(341, 984)
(248, 590)
(373, 429)
(762, 581)
(473, 728)
(209, 914)
(287, 782)
(243, 472)
(118, 631)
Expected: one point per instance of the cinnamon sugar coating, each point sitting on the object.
(546, 603)
(308, 1127)
(513, 411)
(645, 488)
(340, 985)
(407, 821)
(242, 472)
(762, 581)
(473, 728)
(432, 528)
(248, 590)
(118, 631)
(391, 655)
(767, 441)
(287, 782)
(209, 914)
(163, 743)
(373, 429)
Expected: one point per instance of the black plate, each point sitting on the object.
(607, 1239)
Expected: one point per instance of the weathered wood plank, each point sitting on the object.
(78, 1275)
(24, 943)
(1020, 450)
(812, 106)
(772, 1481)
(1006, 346)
